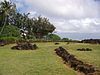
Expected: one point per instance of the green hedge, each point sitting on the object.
(9, 39)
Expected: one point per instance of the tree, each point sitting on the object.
(53, 37)
(42, 27)
(4, 13)
(38, 27)
(65, 39)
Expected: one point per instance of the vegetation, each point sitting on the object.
(66, 39)
(53, 37)
(91, 57)
(10, 31)
(44, 60)
(10, 17)
(39, 62)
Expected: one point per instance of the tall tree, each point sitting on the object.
(42, 27)
(4, 12)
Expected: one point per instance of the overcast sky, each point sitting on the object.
(80, 16)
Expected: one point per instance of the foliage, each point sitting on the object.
(42, 27)
(6, 11)
(38, 27)
(65, 39)
(9, 40)
(10, 31)
(53, 37)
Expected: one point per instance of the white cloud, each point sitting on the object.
(87, 25)
(82, 16)
(69, 15)
(66, 8)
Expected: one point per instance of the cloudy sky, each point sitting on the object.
(74, 16)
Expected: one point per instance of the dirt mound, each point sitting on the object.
(24, 46)
(56, 43)
(84, 49)
(2, 43)
(74, 63)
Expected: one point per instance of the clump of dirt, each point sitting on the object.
(76, 64)
(25, 46)
(2, 43)
(56, 43)
(84, 49)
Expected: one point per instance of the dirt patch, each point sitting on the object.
(25, 46)
(84, 49)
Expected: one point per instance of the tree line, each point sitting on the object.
(11, 22)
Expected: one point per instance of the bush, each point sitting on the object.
(10, 31)
(9, 39)
(53, 37)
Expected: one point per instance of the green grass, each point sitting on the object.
(91, 57)
(43, 61)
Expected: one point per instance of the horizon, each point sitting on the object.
(79, 36)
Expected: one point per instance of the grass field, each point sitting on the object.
(44, 61)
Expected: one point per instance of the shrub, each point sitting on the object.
(54, 37)
(9, 39)
(10, 31)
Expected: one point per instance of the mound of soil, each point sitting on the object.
(56, 43)
(25, 46)
(76, 64)
(2, 43)
(84, 49)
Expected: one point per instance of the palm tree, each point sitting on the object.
(5, 9)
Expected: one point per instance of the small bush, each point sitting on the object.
(9, 39)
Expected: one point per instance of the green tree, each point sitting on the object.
(65, 39)
(38, 27)
(53, 37)
(5, 9)
(42, 27)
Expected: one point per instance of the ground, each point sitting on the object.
(44, 61)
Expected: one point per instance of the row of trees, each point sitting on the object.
(11, 21)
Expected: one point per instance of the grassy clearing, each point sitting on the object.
(43, 61)
(91, 57)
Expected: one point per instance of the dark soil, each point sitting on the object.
(2, 43)
(84, 49)
(25, 46)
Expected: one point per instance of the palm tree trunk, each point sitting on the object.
(3, 26)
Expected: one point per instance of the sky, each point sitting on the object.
(71, 16)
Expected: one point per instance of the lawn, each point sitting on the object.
(44, 61)
(91, 57)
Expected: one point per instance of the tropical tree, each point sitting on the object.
(38, 27)
(42, 27)
(5, 8)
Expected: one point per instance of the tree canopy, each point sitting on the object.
(53, 37)
(36, 26)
